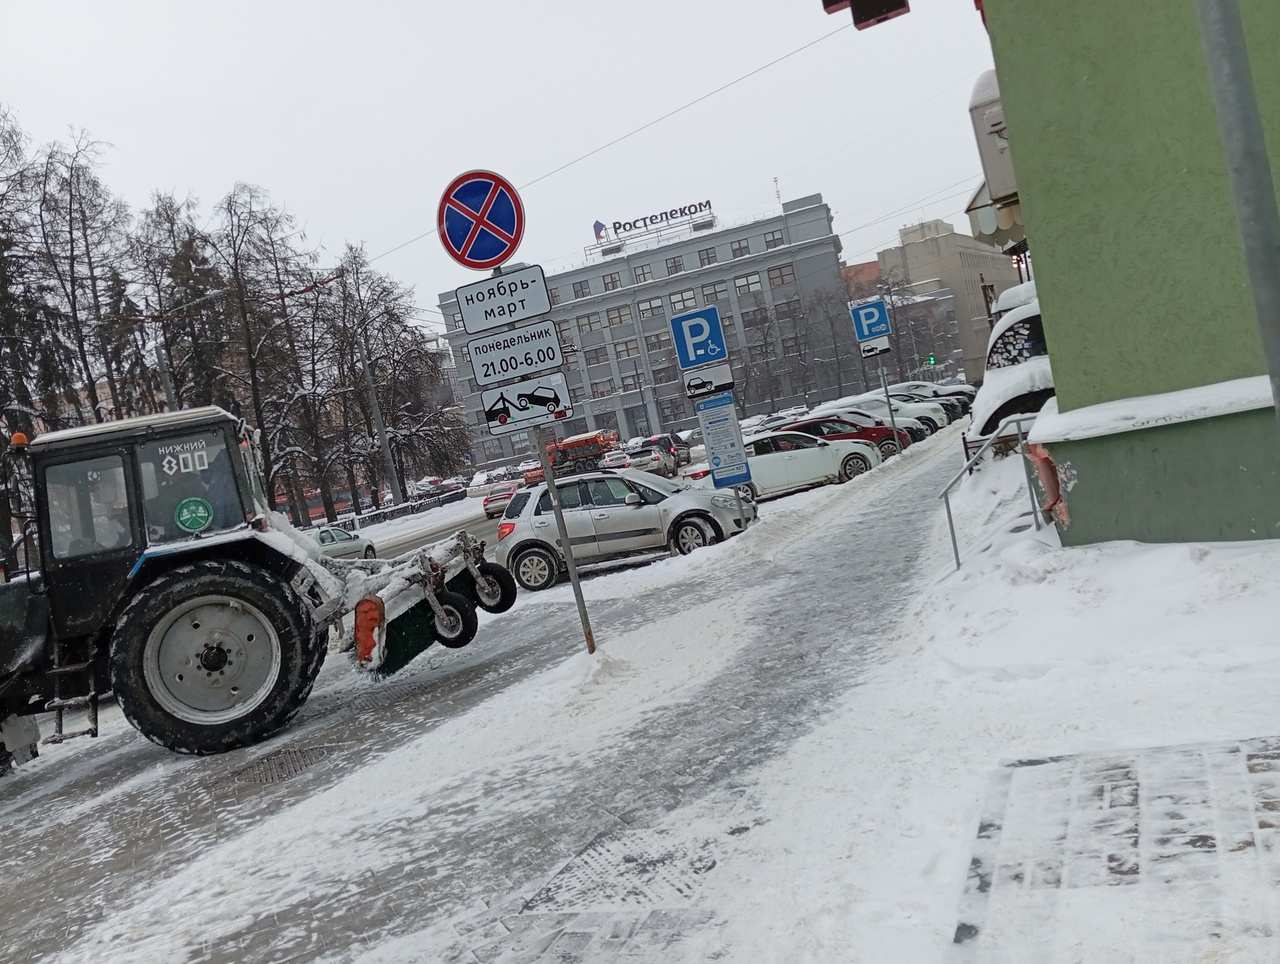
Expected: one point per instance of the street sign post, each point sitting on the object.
(872, 327)
(548, 473)
(516, 354)
(699, 382)
(698, 337)
(480, 220)
(722, 437)
(518, 406)
(503, 299)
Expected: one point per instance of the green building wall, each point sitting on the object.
(1137, 253)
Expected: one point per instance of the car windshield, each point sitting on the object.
(188, 486)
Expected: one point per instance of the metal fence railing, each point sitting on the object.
(998, 436)
(354, 523)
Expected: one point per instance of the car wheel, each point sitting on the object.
(690, 534)
(370, 552)
(888, 449)
(536, 569)
(929, 424)
(750, 491)
(852, 465)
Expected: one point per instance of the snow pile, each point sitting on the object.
(1152, 411)
(1000, 385)
(1030, 650)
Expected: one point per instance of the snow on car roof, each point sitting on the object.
(1014, 297)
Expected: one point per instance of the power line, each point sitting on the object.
(929, 198)
(643, 127)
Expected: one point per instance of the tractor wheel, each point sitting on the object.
(214, 656)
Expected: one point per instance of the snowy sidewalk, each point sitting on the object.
(513, 801)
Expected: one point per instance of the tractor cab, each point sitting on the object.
(106, 509)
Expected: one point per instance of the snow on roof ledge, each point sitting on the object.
(1153, 411)
(985, 89)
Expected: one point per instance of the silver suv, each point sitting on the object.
(610, 514)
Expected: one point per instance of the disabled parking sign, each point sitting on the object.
(698, 337)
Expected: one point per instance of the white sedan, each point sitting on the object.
(341, 544)
(787, 461)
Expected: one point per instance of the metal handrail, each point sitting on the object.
(996, 436)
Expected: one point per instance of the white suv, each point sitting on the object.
(610, 514)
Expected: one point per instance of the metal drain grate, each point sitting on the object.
(281, 765)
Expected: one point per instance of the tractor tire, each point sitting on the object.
(462, 625)
(214, 656)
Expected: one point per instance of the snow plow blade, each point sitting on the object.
(407, 635)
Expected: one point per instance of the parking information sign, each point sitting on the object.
(698, 337)
(518, 353)
(723, 439)
(708, 380)
(495, 302)
(871, 326)
(522, 405)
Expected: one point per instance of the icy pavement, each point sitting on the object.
(515, 800)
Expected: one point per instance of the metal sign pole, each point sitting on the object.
(540, 439)
(884, 383)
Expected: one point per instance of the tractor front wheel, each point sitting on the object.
(214, 656)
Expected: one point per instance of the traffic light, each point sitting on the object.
(868, 13)
(933, 359)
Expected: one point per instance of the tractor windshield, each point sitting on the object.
(188, 486)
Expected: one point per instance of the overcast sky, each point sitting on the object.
(355, 115)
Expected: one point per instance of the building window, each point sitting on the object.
(651, 308)
(726, 322)
(683, 300)
(491, 448)
(706, 256)
(746, 283)
(715, 291)
(643, 273)
(627, 348)
(671, 409)
(566, 330)
(661, 341)
(773, 239)
(788, 310)
(675, 265)
(740, 249)
(471, 385)
(466, 353)
(602, 389)
(582, 288)
(619, 315)
(612, 281)
(761, 352)
(590, 322)
(791, 345)
(755, 317)
(596, 356)
(667, 373)
(455, 322)
(782, 275)
(631, 382)
(554, 294)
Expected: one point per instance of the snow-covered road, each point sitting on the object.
(510, 800)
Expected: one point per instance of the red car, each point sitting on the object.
(851, 427)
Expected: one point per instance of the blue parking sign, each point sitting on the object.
(698, 337)
(870, 320)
